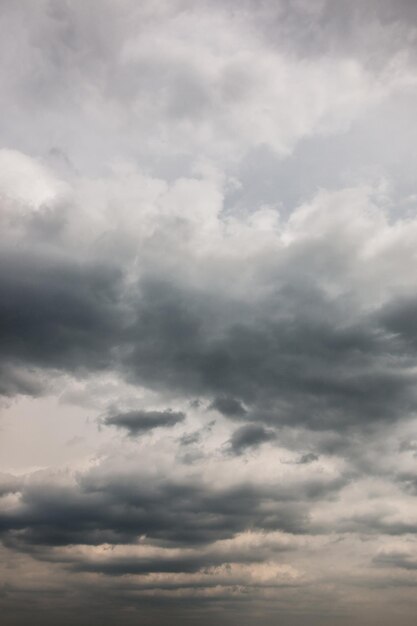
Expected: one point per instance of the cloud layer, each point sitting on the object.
(208, 310)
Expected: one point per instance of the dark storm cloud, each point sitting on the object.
(131, 565)
(137, 422)
(116, 510)
(294, 365)
(167, 514)
(291, 364)
(58, 313)
(249, 436)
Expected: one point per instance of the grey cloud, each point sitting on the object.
(372, 30)
(309, 457)
(378, 522)
(300, 362)
(190, 438)
(402, 560)
(123, 566)
(65, 50)
(230, 407)
(408, 481)
(289, 367)
(293, 357)
(187, 562)
(15, 380)
(58, 313)
(137, 422)
(249, 436)
(9, 484)
(296, 323)
(400, 318)
(121, 510)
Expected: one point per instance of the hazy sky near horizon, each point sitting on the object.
(208, 312)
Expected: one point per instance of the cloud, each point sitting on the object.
(209, 207)
(230, 407)
(9, 484)
(138, 422)
(402, 560)
(318, 346)
(57, 313)
(118, 510)
(249, 436)
(309, 457)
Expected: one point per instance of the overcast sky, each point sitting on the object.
(208, 312)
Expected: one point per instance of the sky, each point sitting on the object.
(208, 312)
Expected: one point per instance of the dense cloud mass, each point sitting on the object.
(208, 312)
